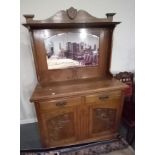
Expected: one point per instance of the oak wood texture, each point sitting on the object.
(60, 126)
(77, 104)
(75, 87)
(59, 103)
(89, 109)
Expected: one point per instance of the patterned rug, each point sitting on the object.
(96, 148)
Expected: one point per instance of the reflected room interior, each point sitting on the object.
(72, 49)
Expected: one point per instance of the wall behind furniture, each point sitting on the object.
(123, 45)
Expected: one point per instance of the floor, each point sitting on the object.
(128, 151)
(30, 139)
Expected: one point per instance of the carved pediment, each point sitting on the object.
(71, 12)
(71, 15)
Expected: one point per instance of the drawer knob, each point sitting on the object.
(61, 103)
(103, 97)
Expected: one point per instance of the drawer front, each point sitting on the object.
(60, 103)
(103, 97)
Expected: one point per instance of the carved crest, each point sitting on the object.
(71, 12)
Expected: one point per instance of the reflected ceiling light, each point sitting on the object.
(83, 34)
(46, 33)
(95, 36)
(60, 34)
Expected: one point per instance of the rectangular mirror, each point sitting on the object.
(72, 49)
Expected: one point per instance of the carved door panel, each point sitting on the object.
(104, 117)
(60, 126)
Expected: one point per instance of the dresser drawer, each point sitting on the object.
(60, 103)
(103, 97)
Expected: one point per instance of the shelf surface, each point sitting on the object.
(76, 87)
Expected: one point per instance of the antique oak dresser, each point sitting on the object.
(76, 98)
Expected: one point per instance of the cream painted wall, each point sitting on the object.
(123, 45)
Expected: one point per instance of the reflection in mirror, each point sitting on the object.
(72, 49)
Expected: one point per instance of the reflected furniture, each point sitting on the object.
(77, 100)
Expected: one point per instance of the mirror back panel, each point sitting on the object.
(70, 54)
(67, 47)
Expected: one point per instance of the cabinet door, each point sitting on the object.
(59, 123)
(104, 114)
(102, 120)
(60, 126)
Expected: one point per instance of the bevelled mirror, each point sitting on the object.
(71, 49)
